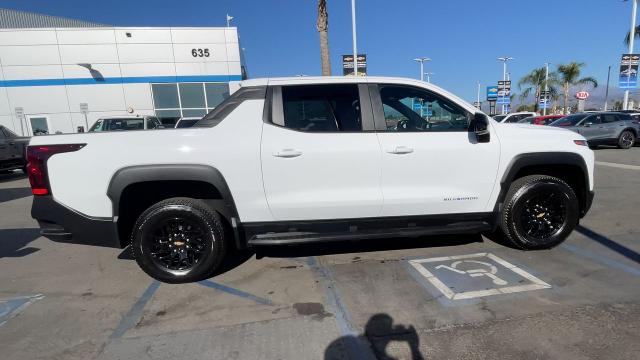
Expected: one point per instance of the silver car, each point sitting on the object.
(603, 128)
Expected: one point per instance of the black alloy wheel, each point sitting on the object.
(179, 240)
(626, 140)
(539, 212)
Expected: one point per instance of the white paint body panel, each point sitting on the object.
(340, 175)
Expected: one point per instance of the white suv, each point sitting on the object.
(301, 160)
(513, 117)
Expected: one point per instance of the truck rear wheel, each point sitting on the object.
(539, 212)
(178, 240)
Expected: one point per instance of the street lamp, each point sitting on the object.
(504, 60)
(632, 35)
(353, 34)
(428, 75)
(422, 60)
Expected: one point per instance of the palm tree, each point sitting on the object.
(569, 75)
(322, 25)
(534, 82)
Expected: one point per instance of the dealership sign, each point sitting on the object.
(629, 71)
(504, 92)
(582, 95)
(492, 93)
(347, 65)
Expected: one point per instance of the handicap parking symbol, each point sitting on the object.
(475, 275)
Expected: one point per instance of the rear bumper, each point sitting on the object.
(61, 224)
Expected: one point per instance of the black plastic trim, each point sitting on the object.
(59, 223)
(168, 172)
(544, 158)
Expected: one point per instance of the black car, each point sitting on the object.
(12, 150)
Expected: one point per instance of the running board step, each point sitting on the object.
(292, 238)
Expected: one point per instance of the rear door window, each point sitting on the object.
(322, 108)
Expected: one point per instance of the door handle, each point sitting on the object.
(287, 153)
(400, 150)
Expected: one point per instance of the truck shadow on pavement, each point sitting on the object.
(363, 246)
(13, 242)
(14, 193)
(374, 343)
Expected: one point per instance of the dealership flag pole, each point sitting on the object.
(353, 30)
(632, 35)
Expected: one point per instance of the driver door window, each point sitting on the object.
(409, 109)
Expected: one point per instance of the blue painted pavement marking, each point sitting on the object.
(603, 260)
(12, 307)
(129, 320)
(236, 292)
(355, 347)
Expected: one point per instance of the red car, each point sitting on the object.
(541, 120)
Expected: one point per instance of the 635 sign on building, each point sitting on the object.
(200, 52)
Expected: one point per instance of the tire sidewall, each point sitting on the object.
(512, 219)
(150, 219)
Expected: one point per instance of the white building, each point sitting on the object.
(54, 70)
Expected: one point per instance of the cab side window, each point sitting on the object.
(322, 108)
(609, 118)
(593, 119)
(414, 109)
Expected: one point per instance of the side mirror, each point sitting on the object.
(481, 127)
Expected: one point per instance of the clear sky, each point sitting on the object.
(463, 37)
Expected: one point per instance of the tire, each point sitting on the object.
(178, 240)
(539, 213)
(626, 139)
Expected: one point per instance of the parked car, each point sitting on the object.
(12, 150)
(603, 128)
(120, 123)
(187, 122)
(513, 117)
(540, 120)
(321, 162)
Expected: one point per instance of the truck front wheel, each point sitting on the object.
(539, 212)
(178, 240)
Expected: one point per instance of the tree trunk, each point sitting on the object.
(323, 28)
(564, 100)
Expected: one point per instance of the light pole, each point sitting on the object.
(632, 35)
(478, 97)
(546, 89)
(353, 31)
(421, 60)
(504, 60)
(428, 75)
(606, 92)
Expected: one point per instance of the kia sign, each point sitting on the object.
(582, 95)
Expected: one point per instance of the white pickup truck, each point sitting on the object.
(301, 160)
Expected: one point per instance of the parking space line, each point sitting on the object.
(619, 166)
(603, 260)
(335, 305)
(236, 292)
(129, 320)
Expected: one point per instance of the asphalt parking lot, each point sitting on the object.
(457, 297)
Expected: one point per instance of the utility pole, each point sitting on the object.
(606, 91)
(504, 60)
(421, 60)
(353, 30)
(632, 35)
(546, 90)
(478, 97)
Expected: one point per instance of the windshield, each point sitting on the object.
(115, 124)
(499, 118)
(571, 120)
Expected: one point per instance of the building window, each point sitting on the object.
(173, 101)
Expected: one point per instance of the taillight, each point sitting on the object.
(37, 157)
